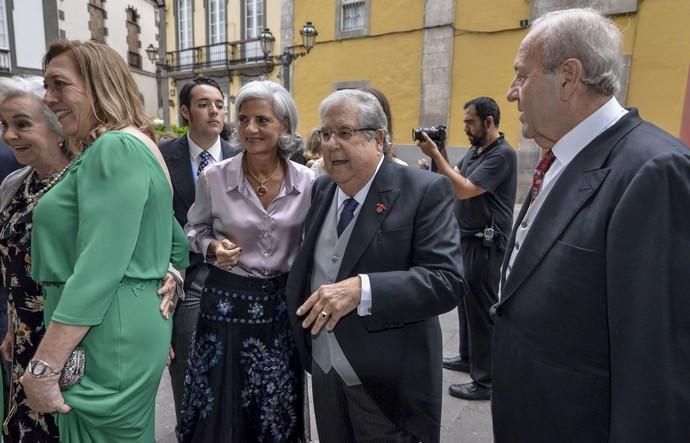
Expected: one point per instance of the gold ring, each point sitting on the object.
(324, 314)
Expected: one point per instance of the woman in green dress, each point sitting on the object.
(102, 239)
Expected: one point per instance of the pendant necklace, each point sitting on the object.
(261, 189)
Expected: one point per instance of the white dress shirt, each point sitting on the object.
(565, 150)
(195, 150)
(581, 135)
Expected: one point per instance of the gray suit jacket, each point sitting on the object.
(591, 332)
(406, 239)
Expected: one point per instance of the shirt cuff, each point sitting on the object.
(364, 308)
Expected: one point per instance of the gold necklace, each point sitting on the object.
(261, 189)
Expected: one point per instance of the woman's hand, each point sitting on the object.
(168, 293)
(7, 346)
(43, 394)
(226, 252)
(171, 356)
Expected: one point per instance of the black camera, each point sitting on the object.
(435, 133)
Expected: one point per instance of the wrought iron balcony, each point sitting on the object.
(237, 55)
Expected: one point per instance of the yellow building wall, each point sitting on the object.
(487, 37)
(388, 59)
(661, 57)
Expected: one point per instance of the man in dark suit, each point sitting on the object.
(484, 181)
(590, 335)
(202, 109)
(7, 161)
(380, 260)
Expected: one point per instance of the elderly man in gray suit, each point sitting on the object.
(591, 330)
(380, 261)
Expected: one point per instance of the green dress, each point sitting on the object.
(102, 239)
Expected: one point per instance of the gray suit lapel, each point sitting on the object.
(378, 204)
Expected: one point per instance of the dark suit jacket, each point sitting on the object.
(7, 162)
(177, 158)
(591, 338)
(411, 253)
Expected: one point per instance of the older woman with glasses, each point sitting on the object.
(101, 242)
(244, 382)
(35, 136)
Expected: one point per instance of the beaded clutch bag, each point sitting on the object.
(74, 368)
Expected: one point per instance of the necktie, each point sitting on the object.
(349, 207)
(204, 160)
(540, 171)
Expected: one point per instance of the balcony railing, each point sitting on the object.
(219, 55)
(5, 61)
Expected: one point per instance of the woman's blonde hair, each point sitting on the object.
(114, 95)
(312, 150)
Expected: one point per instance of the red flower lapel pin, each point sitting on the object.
(381, 208)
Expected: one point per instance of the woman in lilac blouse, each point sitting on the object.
(244, 378)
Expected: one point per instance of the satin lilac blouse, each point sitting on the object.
(226, 206)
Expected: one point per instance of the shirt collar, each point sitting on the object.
(587, 130)
(194, 149)
(493, 144)
(361, 195)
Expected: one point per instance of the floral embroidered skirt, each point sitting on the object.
(244, 380)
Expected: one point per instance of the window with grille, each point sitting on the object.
(97, 18)
(253, 25)
(216, 29)
(352, 15)
(133, 42)
(352, 18)
(185, 38)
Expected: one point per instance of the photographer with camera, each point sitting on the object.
(485, 182)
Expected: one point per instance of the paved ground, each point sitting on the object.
(462, 421)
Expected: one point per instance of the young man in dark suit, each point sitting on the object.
(590, 335)
(380, 261)
(202, 109)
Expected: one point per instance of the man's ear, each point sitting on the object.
(184, 110)
(488, 122)
(380, 140)
(569, 75)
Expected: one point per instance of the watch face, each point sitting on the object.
(38, 368)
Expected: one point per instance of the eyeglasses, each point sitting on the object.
(342, 134)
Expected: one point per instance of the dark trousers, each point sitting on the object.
(482, 274)
(463, 333)
(347, 414)
(184, 324)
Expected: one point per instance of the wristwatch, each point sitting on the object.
(40, 369)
